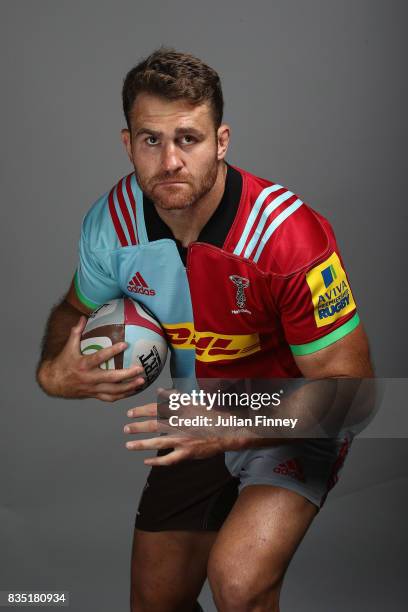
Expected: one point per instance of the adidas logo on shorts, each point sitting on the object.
(292, 468)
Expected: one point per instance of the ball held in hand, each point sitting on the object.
(125, 320)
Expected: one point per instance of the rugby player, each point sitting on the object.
(248, 282)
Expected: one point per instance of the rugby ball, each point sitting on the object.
(125, 320)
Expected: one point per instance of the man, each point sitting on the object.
(248, 282)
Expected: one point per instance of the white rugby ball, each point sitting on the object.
(125, 320)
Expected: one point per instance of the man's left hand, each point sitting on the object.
(184, 446)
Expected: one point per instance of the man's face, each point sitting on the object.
(175, 150)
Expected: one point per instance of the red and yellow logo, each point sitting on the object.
(210, 346)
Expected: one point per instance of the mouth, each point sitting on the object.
(172, 183)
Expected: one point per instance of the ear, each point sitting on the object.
(127, 142)
(223, 136)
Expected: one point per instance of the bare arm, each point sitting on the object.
(348, 357)
(62, 370)
(62, 318)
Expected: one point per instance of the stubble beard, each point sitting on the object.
(178, 197)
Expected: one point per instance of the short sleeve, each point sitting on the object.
(94, 283)
(316, 305)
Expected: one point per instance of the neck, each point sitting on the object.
(187, 224)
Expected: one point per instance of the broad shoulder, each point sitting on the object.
(278, 230)
(110, 222)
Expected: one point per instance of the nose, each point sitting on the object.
(171, 161)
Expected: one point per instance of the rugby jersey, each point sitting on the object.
(263, 282)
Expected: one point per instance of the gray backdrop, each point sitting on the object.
(316, 96)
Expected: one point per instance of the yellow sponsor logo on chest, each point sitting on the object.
(210, 346)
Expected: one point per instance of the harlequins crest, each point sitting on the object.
(241, 283)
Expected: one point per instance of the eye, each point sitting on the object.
(187, 139)
(151, 140)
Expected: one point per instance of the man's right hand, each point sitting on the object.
(73, 375)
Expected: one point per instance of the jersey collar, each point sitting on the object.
(217, 227)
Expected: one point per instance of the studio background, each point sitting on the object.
(316, 96)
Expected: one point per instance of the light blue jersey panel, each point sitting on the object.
(95, 282)
(107, 270)
(167, 295)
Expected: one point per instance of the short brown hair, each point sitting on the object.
(174, 76)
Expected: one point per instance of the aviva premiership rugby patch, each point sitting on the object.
(331, 293)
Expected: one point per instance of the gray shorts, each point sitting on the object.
(308, 467)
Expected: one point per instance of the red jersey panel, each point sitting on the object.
(276, 288)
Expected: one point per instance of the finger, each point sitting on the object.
(157, 443)
(142, 411)
(141, 427)
(114, 397)
(170, 459)
(121, 388)
(74, 339)
(117, 376)
(106, 397)
(96, 359)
